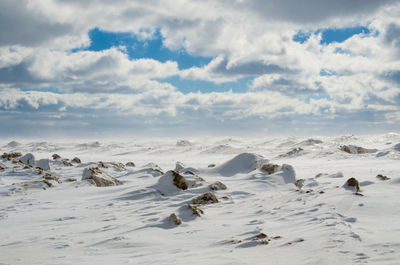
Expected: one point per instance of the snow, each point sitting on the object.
(260, 218)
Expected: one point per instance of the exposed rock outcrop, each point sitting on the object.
(55, 156)
(179, 181)
(352, 149)
(218, 186)
(175, 219)
(76, 160)
(206, 198)
(8, 156)
(270, 168)
(130, 164)
(99, 178)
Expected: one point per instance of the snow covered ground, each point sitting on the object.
(285, 201)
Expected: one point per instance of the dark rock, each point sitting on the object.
(382, 177)
(55, 156)
(205, 198)
(66, 163)
(179, 181)
(175, 219)
(48, 177)
(270, 168)
(76, 160)
(218, 186)
(195, 210)
(8, 156)
(130, 164)
(352, 182)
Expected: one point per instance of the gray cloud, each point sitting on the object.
(23, 26)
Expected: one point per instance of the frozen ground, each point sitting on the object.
(260, 218)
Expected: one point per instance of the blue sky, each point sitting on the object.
(199, 68)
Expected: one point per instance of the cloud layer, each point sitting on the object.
(46, 73)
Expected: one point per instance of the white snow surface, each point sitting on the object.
(259, 219)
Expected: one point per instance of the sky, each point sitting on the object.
(182, 68)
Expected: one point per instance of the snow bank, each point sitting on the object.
(43, 164)
(242, 163)
(28, 159)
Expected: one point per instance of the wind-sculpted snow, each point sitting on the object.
(163, 203)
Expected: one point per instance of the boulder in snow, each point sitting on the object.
(206, 198)
(100, 178)
(76, 160)
(175, 219)
(8, 156)
(352, 149)
(218, 186)
(55, 156)
(130, 164)
(352, 184)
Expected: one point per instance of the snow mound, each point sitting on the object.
(165, 184)
(13, 144)
(397, 147)
(43, 164)
(310, 141)
(28, 159)
(173, 182)
(242, 163)
(183, 143)
(288, 174)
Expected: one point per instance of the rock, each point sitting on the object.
(352, 182)
(55, 156)
(2, 166)
(99, 177)
(175, 219)
(352, 149)
(382, 177)
(76, 160)
(117, 165)
(270, 168)
(179, 166)
(179, 181)
(397, 147)
(66, 163)
(218, 186)
(70, 180)
(293, 152)
(102, 164)
(51, 177)
(43, 164)
(8, 156)
(28, 159)
(130, 164)
(211, 165)
(195, 210)
(205, 198)
(299, 183)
